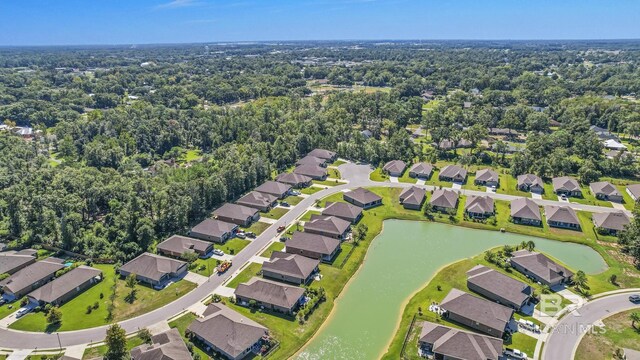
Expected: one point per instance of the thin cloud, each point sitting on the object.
(179, 4)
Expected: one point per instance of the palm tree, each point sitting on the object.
(531, 245)
(580, 280)
(635, 317)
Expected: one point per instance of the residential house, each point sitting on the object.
(66, 287)
(453, 173)
(566, 185)
(446, 144)
(612, 144)
(634, 191)
(271, 295)
(237, 214)
(413, 197)
(11, 262)
(503, 132)
(342, 210)
(257, 200)
(330, 156)
(530, 182)
(227, 332)
(487, 177)
(498, 287)
(562, 217)
(603, 134)
(540, 268)
(477, 313)
(178, 245)
(291, 268)
(154, 269)
(394, 167)
(312, 160)
(366, 134)
(525, 211)
(363, 198)
(313, 246)
(274, 188)
(421, 170)
(31, 277)
(444, 200)
(449, 343)
(164, 346)
(610, 222)
(295, 180)
(330, 226)
(479, 207)
(604, 190)
(215, 230)
(313, 171)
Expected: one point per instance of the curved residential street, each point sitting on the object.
(357, 176)
(565, 337)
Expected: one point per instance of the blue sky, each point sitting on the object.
(66, 22)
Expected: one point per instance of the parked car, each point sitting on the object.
(241, 235)
(284, 238)
(23, 311)
(218, 252)
(159, 286)
(563, 197)
(250, 234)
(294, 192)
(2, 301)
(284, 203)
(634, 298)
(515, 354)
(281, 228)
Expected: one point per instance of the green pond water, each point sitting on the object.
(400, 261)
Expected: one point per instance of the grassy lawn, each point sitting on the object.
(8, 309)
(276, 246)
(182, 323)
(191, 155)
(334, 173)
(523, 342)
(548, 192)
(338, 163)
(99, 351)
(275, 213)
(293, 200)
(257, 227)
(628, 201)
(436, 182)
(231, 247)
(589, 199)
(345, 249)
(470, 184)
(618, 334)
(378, 175)
(74, 312)
(405, 178)
(310, 190)
(328, 182)
(245, 275)
(307, 215)
(509, 185)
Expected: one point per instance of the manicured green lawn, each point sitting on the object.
(74, 312)
(522, 342)
(589, 199)
(307, 215)
(100, 351)
(470, 184)
(192, 155)
(328, 182)
(47, 357)
(378, 175)
(628, 201)
(293, 200)
(344, 252)
(405, 178)
(334, 173)
(338, 162)
(8, 309)
(257, 227)
(310, 190)
(275, 213)
(245, 275)
(509, 185)
(182, 323)
(549, 194)
(436, 182)
(276, 246)
(618, 333)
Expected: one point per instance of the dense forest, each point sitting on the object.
(105, 174)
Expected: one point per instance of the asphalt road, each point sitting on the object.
(357, 175)
(566, 335)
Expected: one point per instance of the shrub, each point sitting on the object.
(89, 309)
(96, 305)
(101, 295)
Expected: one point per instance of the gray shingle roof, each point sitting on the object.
(563, 214)
(227, 330)
(525, 208)
(273, 188)
(59, 287)
(164, 346)
(11, 261)
(482, 311)
(460, 344)
(293, 178)
(444, 198)
(270, 292)
(413, 195)
(313, 242)
(362, 195)
(540, 265)
(452, 171)
(311, 160)
(310, 170)
(422, 169)
(37, 271)
(342, 210)
(604, 188)
(565, 183)
(235, 211)
(182, 244)
(498, 283)
(530, 180)
(290, 265)
(634, 189)
(327, 224)
(479, 204)
(487, 175)
(257, 199)
(394, 166)
(616, 220)
(322, 153)
(214, 227)
(152, 266)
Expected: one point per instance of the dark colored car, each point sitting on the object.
(634, 298)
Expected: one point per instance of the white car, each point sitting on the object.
(218, 252)
(295, 193)
(22, 312)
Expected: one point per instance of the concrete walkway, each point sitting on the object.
(75, 352)
(196, 278)
(393, 179)
(420, 182)
(19, 354)
(159, 328)
(618, 206)
(267, 220)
